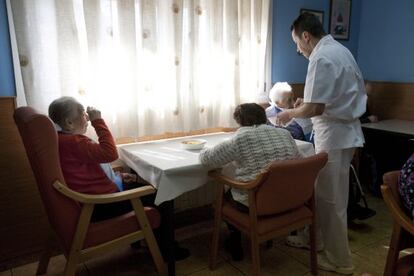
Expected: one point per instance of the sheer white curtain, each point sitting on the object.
(150, 66)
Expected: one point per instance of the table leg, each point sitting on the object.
(167, 237)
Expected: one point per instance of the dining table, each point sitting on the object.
(174, 170)
(388, 145)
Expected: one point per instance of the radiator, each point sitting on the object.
(200, 197)
(196, 198)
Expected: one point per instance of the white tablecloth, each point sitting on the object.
(173, 170)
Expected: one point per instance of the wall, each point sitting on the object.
(386, 42)
(7, 86)
(287, 65)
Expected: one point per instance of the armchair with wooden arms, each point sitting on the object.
(403, 230)
(281, 199)
(69, 212)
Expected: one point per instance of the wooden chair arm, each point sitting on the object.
(400, 217)
(103, 198)
(217, 175)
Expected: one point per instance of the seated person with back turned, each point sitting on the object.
(85, 163)
(253, 147)
(281, 98)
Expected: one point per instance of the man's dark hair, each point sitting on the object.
(309, 23)
(249, 114)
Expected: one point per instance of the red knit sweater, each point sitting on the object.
(80, 158)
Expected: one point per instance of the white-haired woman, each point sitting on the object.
(281, 98)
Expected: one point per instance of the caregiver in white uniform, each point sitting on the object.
(334, 97)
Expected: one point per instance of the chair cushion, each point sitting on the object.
(266, 224)
(107, 230)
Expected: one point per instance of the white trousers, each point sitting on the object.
(331, 195)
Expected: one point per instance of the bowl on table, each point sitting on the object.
(193, 144)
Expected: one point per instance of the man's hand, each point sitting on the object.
(93, 113)
(299, 102)
(283, 118)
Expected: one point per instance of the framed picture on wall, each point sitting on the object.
(318, 14)
(340, 19)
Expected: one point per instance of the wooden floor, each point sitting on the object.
(369, 242)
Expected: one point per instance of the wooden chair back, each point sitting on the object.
(403, 230)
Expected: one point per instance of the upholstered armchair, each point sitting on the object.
(281, 199)
(403, 230)
(69, 212)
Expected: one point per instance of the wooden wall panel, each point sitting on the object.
(297, 89)
(24, 226)
(390, 100)
(387, 100)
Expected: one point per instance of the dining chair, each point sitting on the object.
(403, 230)
(281, 200)
(69, 212)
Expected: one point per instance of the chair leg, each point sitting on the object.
(359, 186)
(155, 252)
(71, 265)
(254, 239)
(393, 251)
(313, 253)
(254, 244)
(149, 237)
(215, 243)
(216, 230)
(44, 259)
(78, 239)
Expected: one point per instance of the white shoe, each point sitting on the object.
(300, 241)
(325, 264)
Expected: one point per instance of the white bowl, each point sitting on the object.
(193, 144)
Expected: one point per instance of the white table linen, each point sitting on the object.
(173, 170)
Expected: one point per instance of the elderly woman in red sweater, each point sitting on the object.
(84, 162)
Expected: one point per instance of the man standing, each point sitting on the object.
(335, 98)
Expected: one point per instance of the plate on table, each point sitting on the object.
(193, 144)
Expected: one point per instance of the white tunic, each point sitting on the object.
(335, 80)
